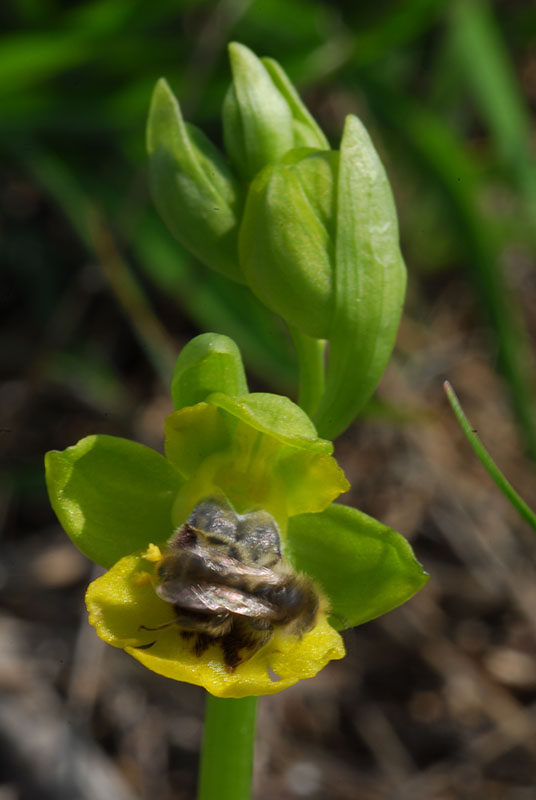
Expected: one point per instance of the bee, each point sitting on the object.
(225, 577)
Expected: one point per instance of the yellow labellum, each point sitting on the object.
(122, 600)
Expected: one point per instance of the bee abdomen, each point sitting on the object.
(294, 600)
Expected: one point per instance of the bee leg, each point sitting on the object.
(157, 627)
(261, 637)
(231, 647)
(215, 625)
(243, 641)
(260, 624)
(202, 643)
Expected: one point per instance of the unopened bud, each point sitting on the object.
(263, 116)
(193, 188)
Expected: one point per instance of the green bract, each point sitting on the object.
(120, 502)
(263, 116)
(199, 197)
(193, 188)
(369, 281)
(204, 366)
(319, 246)
(287, 239)
(312, 231)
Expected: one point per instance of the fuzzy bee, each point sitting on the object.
(224, 575)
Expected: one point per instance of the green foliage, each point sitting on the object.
(257, 120)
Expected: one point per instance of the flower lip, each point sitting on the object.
(233, 625)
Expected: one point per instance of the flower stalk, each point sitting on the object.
(227, 753)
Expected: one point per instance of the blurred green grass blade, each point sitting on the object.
(91, 378)
(215, 303)
(32, 11)
(134, 300)
(209, 300)
(101, 17)
(486, 460)
(489, 72)
(436, 150)
(401, 23)
(52, 174)
(358, 43)
(30, 58)
(55, 177)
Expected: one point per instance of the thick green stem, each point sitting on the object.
(311, 361)
(227, 756)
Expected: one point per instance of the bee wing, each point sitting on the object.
(232, 571)
(212, 563)
(213, 566)
(220, 600)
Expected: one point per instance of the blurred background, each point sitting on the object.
(437, 700)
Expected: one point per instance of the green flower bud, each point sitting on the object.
(317, 239)
(319, 246)
(287, 243)
(194, 190)
(263, 116)
(209, 363)
(370, 281)
(307, 133)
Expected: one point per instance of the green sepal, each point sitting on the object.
(193, 188)
(370, 282)
(365, 568)
(276, 416)
(287, 239)
(209, 363)
(257, 121)
(112, 496)
(307, 133)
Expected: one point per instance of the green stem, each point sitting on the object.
(486, 460)
(311, 360)
(227, 756)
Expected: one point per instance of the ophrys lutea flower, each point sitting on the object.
(228, 564)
